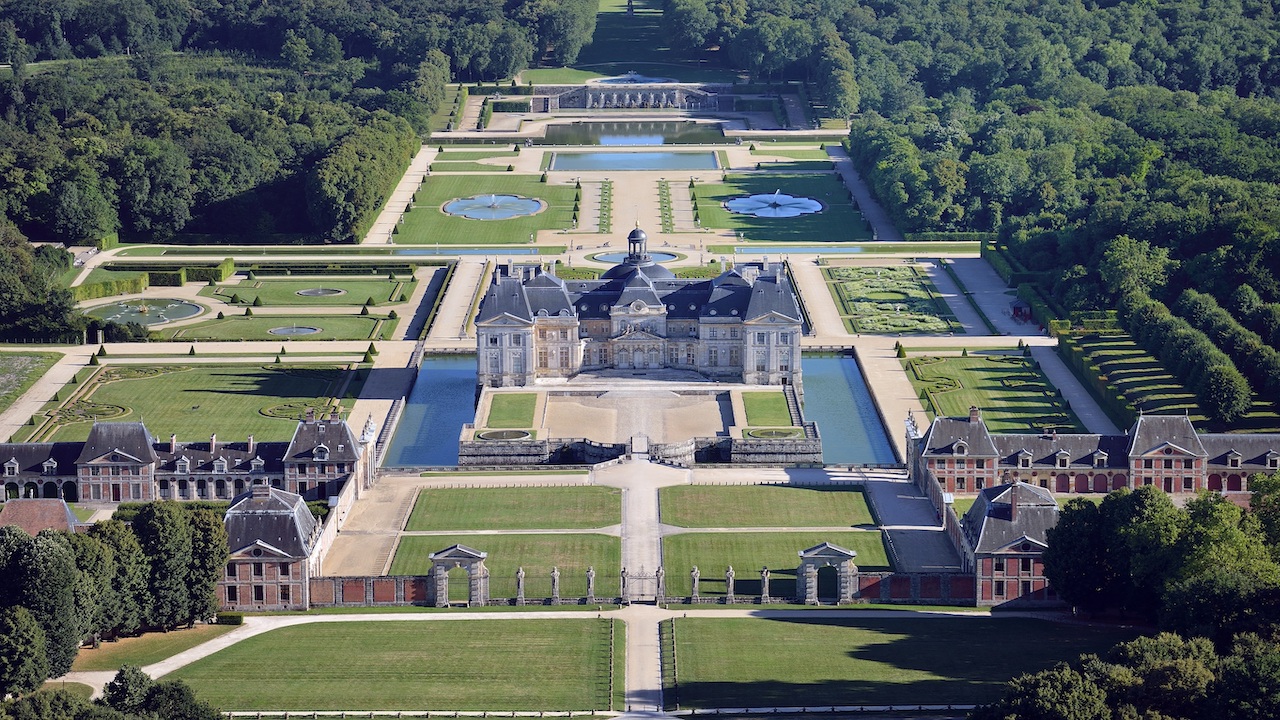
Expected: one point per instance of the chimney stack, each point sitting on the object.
(213, 443)
(252, 445)
(261, 488)
(1013, 502)
(173, 442)
(311, 415)
(975, 415)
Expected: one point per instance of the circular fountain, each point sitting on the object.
(776, 205)
(146, 312)
(613, 258)
(320, 292)
(294, 330)
(494, 207)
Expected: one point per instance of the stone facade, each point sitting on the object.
(743, 326)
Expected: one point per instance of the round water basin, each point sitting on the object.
(294, 330)
(617, 257)
(321, 292)
(774, 433)
(146, 312)
(493, 207)
(775, 205)
(503, 435)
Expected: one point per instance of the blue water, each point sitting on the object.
(617, 257)
(837, 399)
(443, 400)
(620, 161)
(450, 250)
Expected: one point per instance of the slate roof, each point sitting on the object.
(991, 525)
(237, 455)
(273, 517)
(1253, 449)
(332, 433)
(32, 456)
(34, 515)
(505, 296)
(1152, 431)
(131, 438)
(1083, 449)
(944, 433)
(773, 294)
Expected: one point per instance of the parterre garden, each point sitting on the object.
(889, 300)
(193, 401)
(321, 290)
(427, 224)
(19, 371)
(837, 222)
(1011, 390)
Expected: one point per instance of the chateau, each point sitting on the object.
(121, 461)
(742, 326)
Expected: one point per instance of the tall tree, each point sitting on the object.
(164, 532)
(23, 665)
(44, 574)
(129, 579)
(209, 554)
(1075, 561)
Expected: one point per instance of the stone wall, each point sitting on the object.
(779, 451)
(555, 451)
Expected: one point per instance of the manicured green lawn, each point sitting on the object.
(286, 292)
(146, 649)
(463, 166)
(795, 153)
(889, 300)
(763, 506)
(194, 401)
(427, 224)
(819, 660)
(455, 153)
(537, 554)
(519, 508)
(1014, 395)
(99, 274)
(454, 665)
(749, 552)
(838, 221)
(557, 76)
(765, 409)
(511, 410)
(259, 327)
(19, 371)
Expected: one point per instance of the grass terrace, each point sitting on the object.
(259, 327)
(427, 224)
(1013, 393)
(887, 300)
(511, 410)
(766, 409)
(838, 221)
(553, 664)
(145, 649)
(791, 151)
(726, 506)
(536, 553)
(19, 371)
(749, 552)
(816, 660)
(520, 508)
(233, 401)
(291, 292)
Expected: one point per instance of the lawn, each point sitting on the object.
(1013, 393)
(511, 410)
(233, 401)
(886, 300)
(557, 76)
(288, 292)
(463, 166)
(749, 552)
(259, 327)
(763, 506)
(838, 221)
(454, 153)
(19, 371)
(795, 153)
(404, 665)
(817, 660)
(766, 409)
(519, 508)
(537, 554)
(427, 224)
(146, 649)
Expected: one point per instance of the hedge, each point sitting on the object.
(937, 236)
(512, 105)
(164, 278)
(1259, 362)
(108, 288)
(230, 618)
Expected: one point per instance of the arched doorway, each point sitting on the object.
(1118, 481)
(1063, 484)
(11, 491)
(1100, 483)
(220, 488)
(1215, 482)
(70, 491)
(637, 359)
(30, 490)
(1082, 483)
(1233, 483)
(50, 490)
(828, 584)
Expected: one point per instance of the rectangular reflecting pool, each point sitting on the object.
(442, 401)
(630, 132)
(836, 397)
(620, 161)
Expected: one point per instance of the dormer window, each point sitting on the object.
(1064, 458)
(320, 428)
(341, 448)
(1233, 459)
(220, 465)
(1273, 460)
(962, 448)
(1099, 459)
(256, 465)
(11, 467)
(1024, 460)
(321, 453)
(50, 467)
(183, 465)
